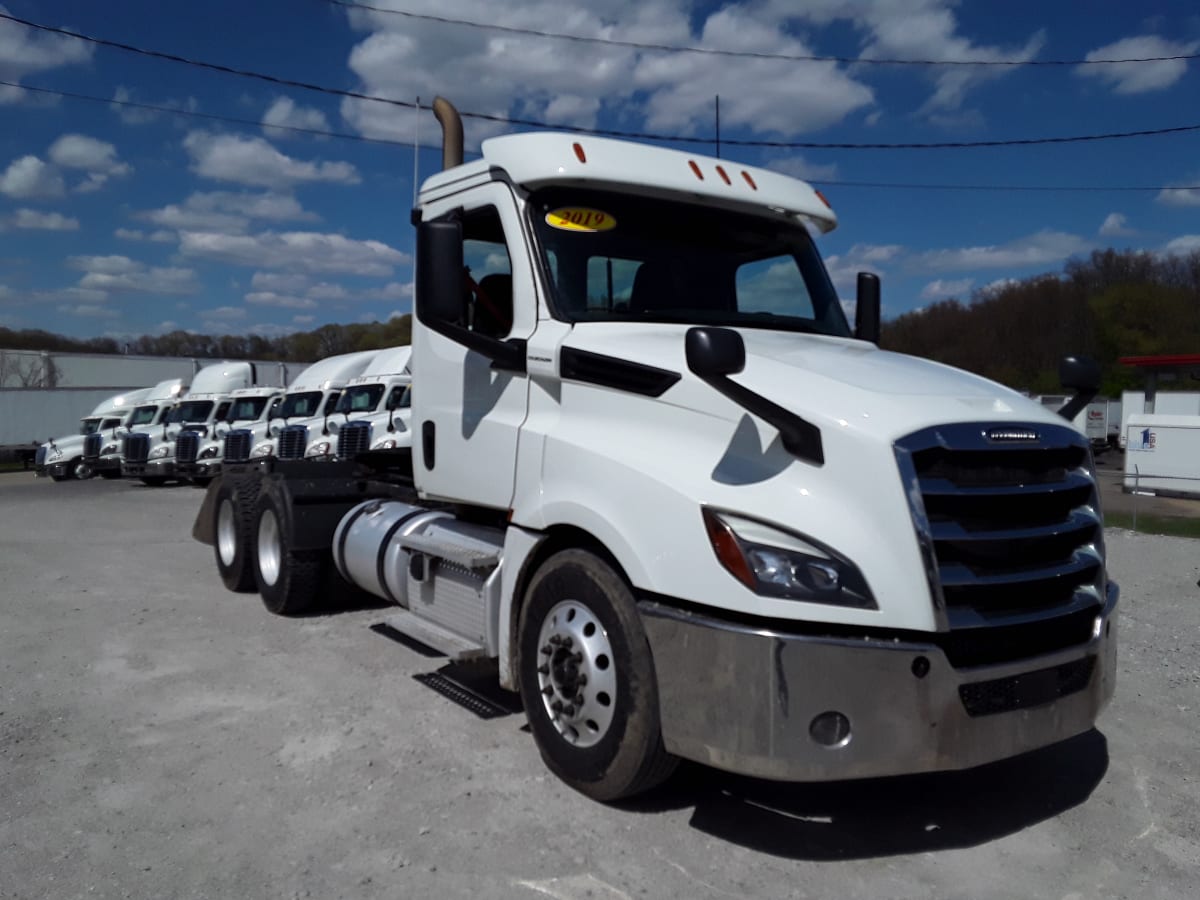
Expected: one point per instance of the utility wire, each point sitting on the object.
(605, 132)
(751, 54)
(358, 138)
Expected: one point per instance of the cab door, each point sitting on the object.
(467, 411)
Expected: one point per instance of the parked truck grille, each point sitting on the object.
(135, 447)
(187, 445)
(292, 441)
(1011, 531)
(237, 444)
(353, 439)
(91, 446)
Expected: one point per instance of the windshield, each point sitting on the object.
(654, 260)
(88, 426)
(193, 411)
(361, 398)
(304, 405)
(143, 415)
(247, 409)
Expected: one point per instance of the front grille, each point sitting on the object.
(1012, 536)
(986, 698)
(353, 439)
(91, 446)
(135, 447)
(187, 446)
(237, 444)
(292, 441)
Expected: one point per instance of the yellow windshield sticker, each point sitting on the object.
(580, 218)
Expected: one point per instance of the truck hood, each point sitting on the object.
(852, 383)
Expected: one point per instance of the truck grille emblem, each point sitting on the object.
(1011, 434)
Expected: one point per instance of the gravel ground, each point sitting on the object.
(161, 738)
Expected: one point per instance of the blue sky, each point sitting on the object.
(121, 221)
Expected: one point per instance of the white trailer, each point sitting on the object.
(682, 505)
(1162, 454)
(1170, 403)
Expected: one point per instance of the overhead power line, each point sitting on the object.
(605, 132)
(358, 138)
(750, 54)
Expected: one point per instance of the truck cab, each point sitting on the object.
(684, 505)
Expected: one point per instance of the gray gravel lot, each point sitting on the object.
(161, 737)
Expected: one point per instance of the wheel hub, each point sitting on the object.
(269, 550)
(576, 673)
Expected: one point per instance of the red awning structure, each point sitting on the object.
(1176, 361)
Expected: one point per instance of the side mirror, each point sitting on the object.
(440, 295)
(866, 315)
(1081, 375)
(715, 351)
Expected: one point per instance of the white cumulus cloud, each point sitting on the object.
(29, 178)
(1046, 247)
(1115, 225)
(255, 163)
(24, 51)
(286, 112)
(1139, 78)
(940, 289)
(298, 251)
(52, 221)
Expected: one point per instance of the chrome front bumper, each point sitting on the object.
(744, 699)
(154, 468)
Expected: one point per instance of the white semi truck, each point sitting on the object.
(685, 507)
(150, 456)
(303, 416)
(65, 457)
(151, 412)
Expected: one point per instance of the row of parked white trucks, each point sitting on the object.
(656, 479)
(175, 431)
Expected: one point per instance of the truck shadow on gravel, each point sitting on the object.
(886, 816)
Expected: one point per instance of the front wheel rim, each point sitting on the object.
(269, 551)
(576, 674)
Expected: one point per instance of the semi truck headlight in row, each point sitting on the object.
(209, 452)
(263, 450)
(160, 451)
(386, 444)
(320, 448)
(109, 450)
(777, 563)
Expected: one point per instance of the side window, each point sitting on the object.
(399, 398)
(331, 403)
(274, 407)
(774, 285)
(222, 411)
(488, 279)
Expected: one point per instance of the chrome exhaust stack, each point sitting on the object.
(452, 132)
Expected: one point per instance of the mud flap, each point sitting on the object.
(203, 529)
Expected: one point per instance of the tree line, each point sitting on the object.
(1109, 305)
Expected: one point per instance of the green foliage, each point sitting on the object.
(1111, 305)
(328, 340)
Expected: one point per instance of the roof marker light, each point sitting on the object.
(749, 180)
(724, 177)
(821, 197)
(696, 169)
(579, 154)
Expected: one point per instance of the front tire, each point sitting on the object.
(287, 579)
(587, 679)
(233, 528)
(80, 470)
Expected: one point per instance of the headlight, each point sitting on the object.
(320, 448)
(777, 563)
(386, 444)
(160, 451)
(109, 450)
(56, 454)
(263, 450)
(209, 452)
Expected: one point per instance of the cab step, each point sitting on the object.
(455, 646)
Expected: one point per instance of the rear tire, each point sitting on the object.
(233, 530)
(287, 579)
(600, 733)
